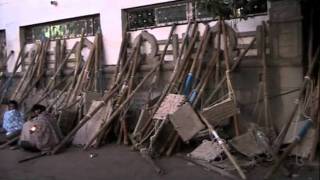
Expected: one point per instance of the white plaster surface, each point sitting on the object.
(17, 13)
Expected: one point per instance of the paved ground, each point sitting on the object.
(111, 162)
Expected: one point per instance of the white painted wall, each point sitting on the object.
(16, 13)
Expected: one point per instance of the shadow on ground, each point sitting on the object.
(111, 162)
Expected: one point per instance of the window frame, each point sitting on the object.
(191, 14)
(28, 30)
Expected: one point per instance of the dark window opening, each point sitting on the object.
(163, 14)
(157, 15)
(208, 10)
(171, 14)
(141, 18)
(2, 45)
(62, 29)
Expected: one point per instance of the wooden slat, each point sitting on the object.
(186, 122)
(246, 34)
(220, 111)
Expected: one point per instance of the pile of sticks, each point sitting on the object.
(190, 78)
(123, 88)
(153, 134)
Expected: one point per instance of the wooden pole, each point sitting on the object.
(195, 96)
(183, 47)
(268, 123)
(60, 68)
(59, 95)
(302, 132)
(8, 57)
(157, 75)
(85, 119)
(83, 74)
(201, 56)
(226, 60)
(129, 90)
(97, 63)
(7, 84)
(45, 95)
(278, 141)
(119, 109)
(78, 58)
(233, 68)
(27, 79)
(25, 75)
(190, 77)
(224, 147)
(39, 75)
(182, 68)
(317, 123)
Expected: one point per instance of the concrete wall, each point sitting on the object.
(16, 13)
(285, 72)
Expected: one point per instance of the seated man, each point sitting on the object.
(41, 132)
(12, 120)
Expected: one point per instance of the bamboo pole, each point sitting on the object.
(268, 122)
(208, 166)
(60, 68)
(7, 84)
(184, 69)
(278, 141)
(78, 58)
(157, 74)
(195, 96)
(170, 85)
(233, 68)
(8, 57)
(84, 73)
(201, 56)
(183, 47)
(172, 144)
(122, 55)
(85, 119)
(28, 71)
(203, 83)
(183, 60)
(226, 60)
(59, 95)
(39, 75)
(123, 104)
(131, 70)
(202, 46)
(174, 77)
(97, 63)
(45, 95)
(57, 54)
(129, 90)
(299, 137)
(80, 81)
(224, 147)
(317, 123)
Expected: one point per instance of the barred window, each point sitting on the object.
(62, 29)
(170, 14)
(180, 12)
(2, 45)
(157, 15)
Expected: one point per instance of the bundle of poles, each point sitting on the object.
(187, 76)
(190, 78)
(201, 74)
(59, 90)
